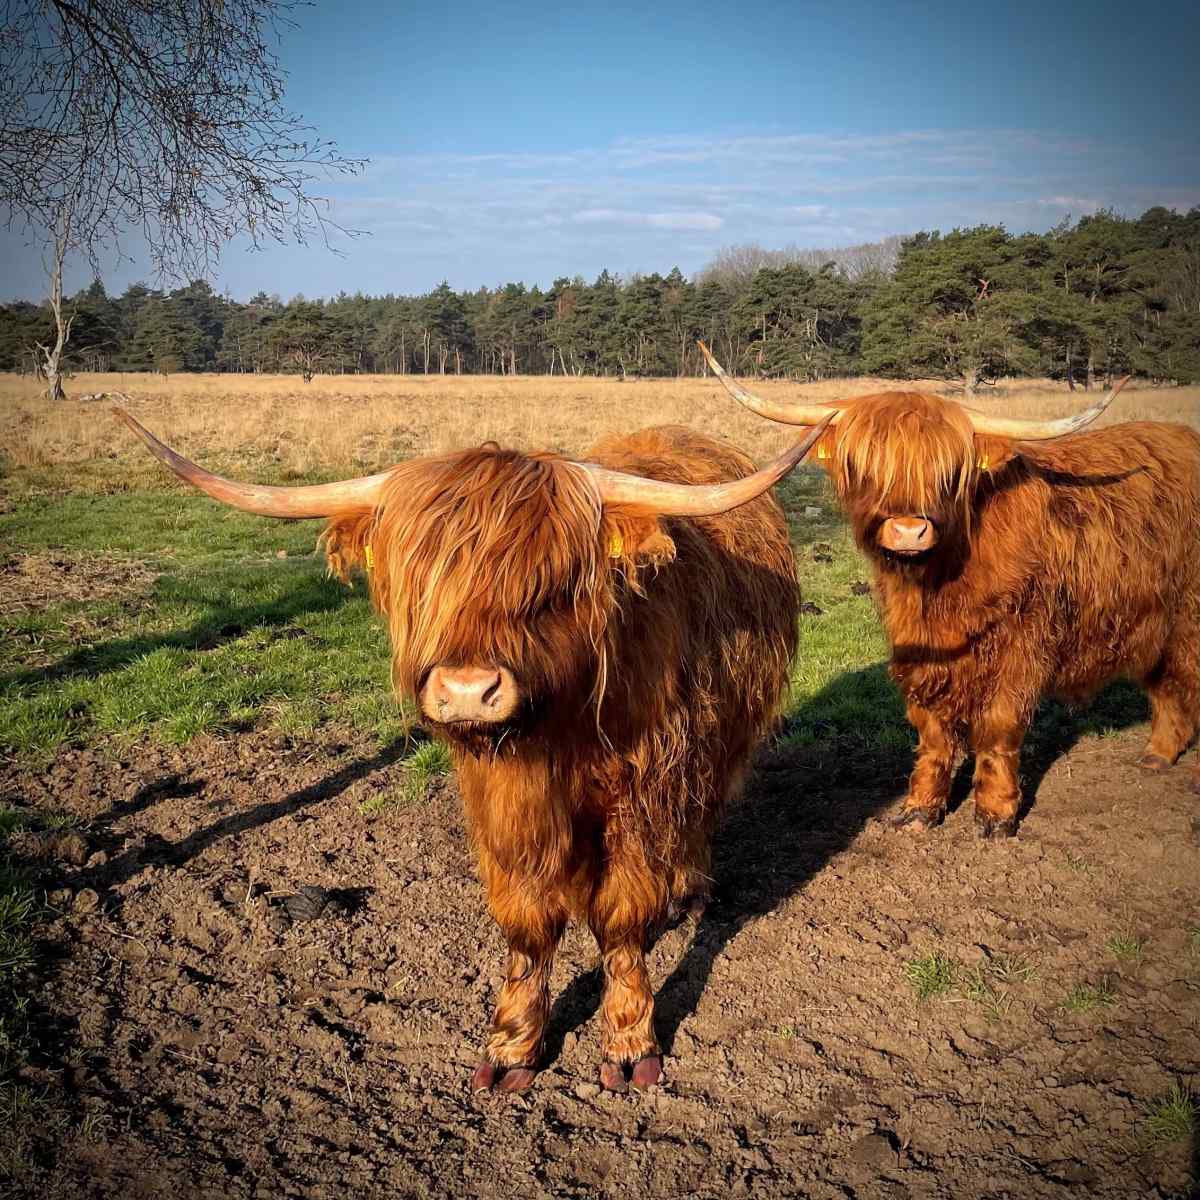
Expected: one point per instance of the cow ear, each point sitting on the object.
(346, 542)
(993, 453)
(636, 539)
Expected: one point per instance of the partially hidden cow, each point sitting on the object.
(600, 644)
(1017, 559)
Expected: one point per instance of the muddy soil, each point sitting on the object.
(213, 1041)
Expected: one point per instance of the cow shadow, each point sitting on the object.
(224, 620)
(842, 760)
(157, 851)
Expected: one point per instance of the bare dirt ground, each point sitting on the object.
(216, 1040)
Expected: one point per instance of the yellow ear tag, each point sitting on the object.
(369, 556)
(616, 546)
(984, 463)
(822, 452)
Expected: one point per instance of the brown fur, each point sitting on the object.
(650, 673)
(1061, 565)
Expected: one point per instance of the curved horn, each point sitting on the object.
(1011, 427)
(317, 500)
(699, 499)
(785, 414)
(1040, 431)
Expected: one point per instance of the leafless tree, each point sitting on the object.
(155, 121)
(736, 265)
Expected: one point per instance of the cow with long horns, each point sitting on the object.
(600, 643)
(1012, 560)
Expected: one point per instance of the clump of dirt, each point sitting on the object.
(33, 582)
(208, 1049)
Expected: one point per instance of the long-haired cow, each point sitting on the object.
(1016, 559)
(600, 644)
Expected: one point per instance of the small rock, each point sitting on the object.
(59, 898)
(87, 900)
(876, 1150)
(809, 609)
(281, 554)
(811, 510)
(859, 588)
(99, 859)
(587, 1091)
(308, 904)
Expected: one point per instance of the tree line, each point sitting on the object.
(1100, 296)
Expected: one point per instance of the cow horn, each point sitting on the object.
(1040, 431)
(703, 499)
(786, 414)
(317, 500)
(615, 487)
(1011, 427)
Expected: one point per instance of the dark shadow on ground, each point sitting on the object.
(157, 851)
(224, 621)
(844, 759)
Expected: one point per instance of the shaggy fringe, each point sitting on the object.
(1062, 565)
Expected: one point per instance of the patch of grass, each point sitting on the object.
(1194, 939)
(978, 988)
(1174, 1117)
(1088, 997)
(1012, 968)
(932, 974)
(429, 761)
(1126, 947)
(217, 641)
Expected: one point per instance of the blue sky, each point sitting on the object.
(527, 141)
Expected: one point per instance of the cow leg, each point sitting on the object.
(996, 739)
(629, 901)
(532, 925)
(1174, 691)
(933, 773)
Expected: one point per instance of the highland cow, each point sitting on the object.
(600, 644)
(1014, 560)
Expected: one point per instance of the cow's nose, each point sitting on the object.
(908, 535)
(478, 694)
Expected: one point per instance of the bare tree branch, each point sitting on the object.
(164, 117)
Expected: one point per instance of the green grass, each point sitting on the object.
(933, 974)
(1126, 947)
(1089, 997)
(429, 761)
(227, 636)
(1174, 1117)
(230, 635)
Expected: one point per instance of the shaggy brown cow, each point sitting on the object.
(1008, 569)
(601, 652)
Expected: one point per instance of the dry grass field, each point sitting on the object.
(196, 724)
(295, 429)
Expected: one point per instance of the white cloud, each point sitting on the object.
(650, 220)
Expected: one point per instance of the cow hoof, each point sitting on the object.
(490, 1078)
(646, 1072)
(994, 827)
(917, 819)
(612, 1077)
(1154, 763)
